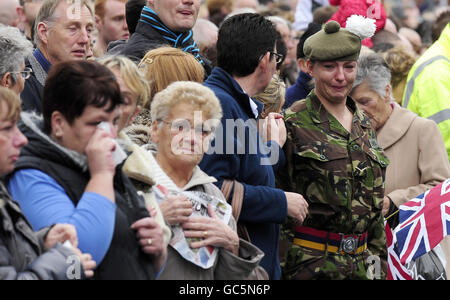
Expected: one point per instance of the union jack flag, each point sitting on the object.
(424, 222)
(396, 271)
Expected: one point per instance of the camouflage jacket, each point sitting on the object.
(340, 174)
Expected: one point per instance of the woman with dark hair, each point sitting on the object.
(25, 254)
(67, 173)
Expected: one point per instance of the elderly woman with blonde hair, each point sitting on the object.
(184, 116)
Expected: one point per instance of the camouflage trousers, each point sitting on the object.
(306, 264)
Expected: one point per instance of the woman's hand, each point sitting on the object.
(150, 236)
(101, 164)
(59, 234)
(274, 129)
(213, 231)
(176, 209)
(99, 153)
(86, 261)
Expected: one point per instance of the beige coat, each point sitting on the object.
(418, 157)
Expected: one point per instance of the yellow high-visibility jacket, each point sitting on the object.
(427, 91)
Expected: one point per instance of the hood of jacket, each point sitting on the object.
(41, 145)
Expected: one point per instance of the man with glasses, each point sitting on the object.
(14, 47)
(62, 32)
(246, 61)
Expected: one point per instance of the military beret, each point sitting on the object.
(336, 43)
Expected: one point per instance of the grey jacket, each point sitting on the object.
(21, 255)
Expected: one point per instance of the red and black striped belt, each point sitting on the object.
(330, 242)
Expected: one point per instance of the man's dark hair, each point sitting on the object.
(243, 40)
(312, 29)
(133, 9)
(71, 86)
(442, 20)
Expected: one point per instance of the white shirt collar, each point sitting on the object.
(253, 106)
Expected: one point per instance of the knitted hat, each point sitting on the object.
(336, 43)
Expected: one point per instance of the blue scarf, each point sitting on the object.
(42, 60)
(183, 40)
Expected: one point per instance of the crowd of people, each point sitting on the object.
(216, 139)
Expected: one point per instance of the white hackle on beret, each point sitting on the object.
(361, 26)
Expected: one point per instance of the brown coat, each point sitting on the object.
(418, 157)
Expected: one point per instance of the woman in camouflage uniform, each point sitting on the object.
(335, 162)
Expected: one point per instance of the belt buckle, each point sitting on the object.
(348, 244)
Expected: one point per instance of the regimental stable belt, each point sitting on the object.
(330, 242)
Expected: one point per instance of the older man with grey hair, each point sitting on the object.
(62, 32)
(14, 47)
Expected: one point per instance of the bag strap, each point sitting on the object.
(236, 204)
(238, 196)
(227, 186)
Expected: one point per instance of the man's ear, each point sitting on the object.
(42, 32)
(58, 122)
(21, 13)
(264, 62)
(98, 22)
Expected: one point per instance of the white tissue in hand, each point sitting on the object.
(68, 244)
(118, 155)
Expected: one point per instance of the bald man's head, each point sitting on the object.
(8, 12)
